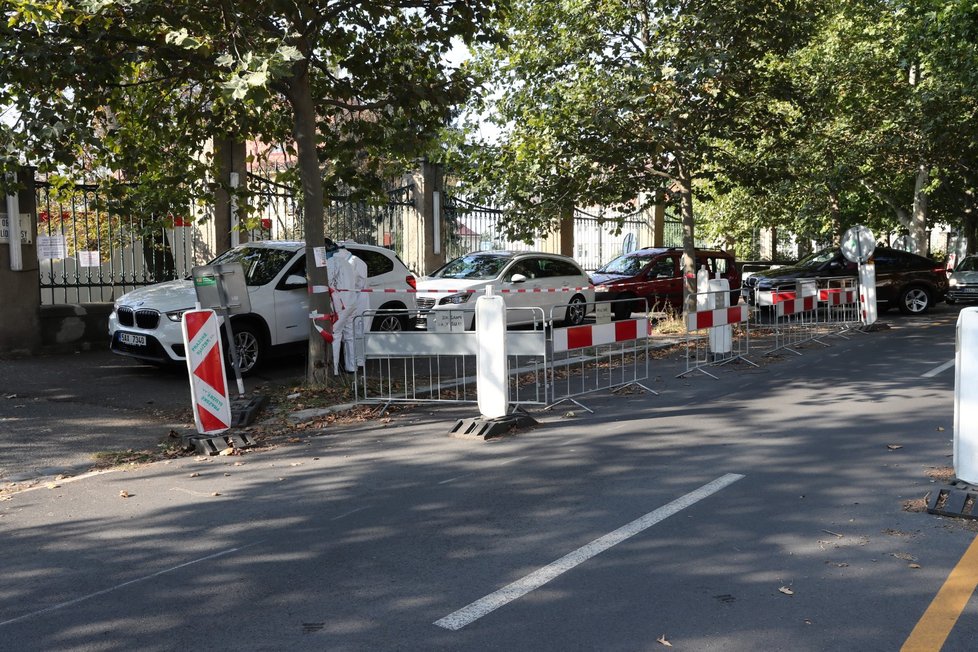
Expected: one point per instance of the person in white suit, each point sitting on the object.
(342, 281)
(357, 326)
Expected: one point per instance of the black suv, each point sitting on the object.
(910, 282)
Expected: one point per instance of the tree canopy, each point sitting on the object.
(139, 86)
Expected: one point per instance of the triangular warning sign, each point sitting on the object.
(209, 422)
(211, 371)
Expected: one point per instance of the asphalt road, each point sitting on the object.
(760, 511)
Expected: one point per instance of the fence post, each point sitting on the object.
(420, 229)
(20, 329)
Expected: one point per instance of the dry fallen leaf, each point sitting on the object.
(662, 639)
(914, 565)
(940, 428)
(296, 464)
(786, 590)
(194, 475)
(53, 485)
(216, 493)
(227, 451)
(894, 447)
(124, 494)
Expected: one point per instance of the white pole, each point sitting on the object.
(235, 233)
(436, 226)
(13, 224)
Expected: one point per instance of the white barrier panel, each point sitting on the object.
(721, 317)
(867, 293)
(492, 377)
(723, 347)
(966, 397)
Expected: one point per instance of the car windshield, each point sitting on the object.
(818, 258)
(473, 266)
(627, 265)
(969, 264)
(260, 264)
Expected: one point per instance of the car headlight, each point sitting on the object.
(601, 288)
(455, 299)
(176, 315)
(953, 282)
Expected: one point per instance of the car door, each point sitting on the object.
(290, 318)
(664, 288)
(523, 295)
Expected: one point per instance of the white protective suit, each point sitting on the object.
(362, 305)
(342, 279)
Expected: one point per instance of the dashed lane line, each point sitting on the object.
(472, 612)
(940, 369)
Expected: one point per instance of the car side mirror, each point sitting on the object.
(517, 278)
(294, 281)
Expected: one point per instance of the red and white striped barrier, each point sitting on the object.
(837, 296)
(719, 317)
(580, 337)
(322, 289)
(205, 361)
(788, 307)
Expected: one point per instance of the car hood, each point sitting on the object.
(447, 285)
(599, 278)
(771, 277)
(166, 296)
(965, 277)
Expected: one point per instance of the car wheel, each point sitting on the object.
(914, 301)
(623, 309)
(576, 310)
(387, 322)
(250, 348)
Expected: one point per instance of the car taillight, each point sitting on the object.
(413, 282)
(939, 270)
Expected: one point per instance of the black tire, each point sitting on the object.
(251, 348)
(388, 322)
(576, 311)
(623, 309)
(915, 300)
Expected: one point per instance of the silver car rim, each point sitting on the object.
(247, 346)
(916, 300)
(388, 323)
(575, 311)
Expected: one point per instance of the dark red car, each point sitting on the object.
(653, 277)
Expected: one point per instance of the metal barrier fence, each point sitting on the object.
(839, 302)
(793, 309)
(589, 358)
(440, 367)
(546, 365)
(716, 336)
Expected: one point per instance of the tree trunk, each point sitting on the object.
(918, 221)
(835, 215)
(685, 183)
(304, 129)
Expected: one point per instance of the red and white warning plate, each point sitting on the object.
(208, 384)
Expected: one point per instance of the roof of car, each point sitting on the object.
(295, 245)
(506, 253)
(662, 250)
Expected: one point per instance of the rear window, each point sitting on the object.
(377, 263)
(552, 267)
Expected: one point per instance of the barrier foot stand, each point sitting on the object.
(781, 348)
(634, 384)
(570, 400)
(700, 369)
(738, 357)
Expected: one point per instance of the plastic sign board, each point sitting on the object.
(966, 397)
(858, 244)
(25, 233)
(205, 362)
(222, 287)
(492, 379)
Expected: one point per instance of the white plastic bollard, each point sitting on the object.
(492, 382)
(867, 293)
(966, 397)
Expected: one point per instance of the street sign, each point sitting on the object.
(208, 389)
(858, 244)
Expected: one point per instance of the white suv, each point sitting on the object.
(145, 323)
(527, 280)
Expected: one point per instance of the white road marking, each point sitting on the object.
(472, 612)
(349, 513)
(510, 461)
(83, 598)
(936, 370)
(451, 479)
